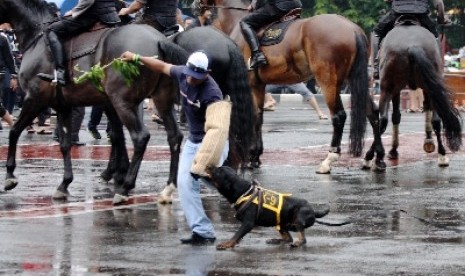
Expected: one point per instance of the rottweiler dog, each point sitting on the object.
(256, 206)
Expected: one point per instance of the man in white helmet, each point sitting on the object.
(208, 119)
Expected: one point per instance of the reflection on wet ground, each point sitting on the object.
(409, 220)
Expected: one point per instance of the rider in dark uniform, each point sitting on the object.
(418, 8)
(160, 14)
(80, 19)
(264, 12)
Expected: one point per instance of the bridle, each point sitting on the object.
(37, 36)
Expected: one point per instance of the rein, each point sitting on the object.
(37, 36)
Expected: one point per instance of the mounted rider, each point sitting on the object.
(418, 8)
(263, 13)
(160, 14)
(76, 21)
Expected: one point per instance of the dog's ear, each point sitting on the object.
(209, 170)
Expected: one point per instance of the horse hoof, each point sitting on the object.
(323, 170)
(393, 155)
(443, 161)
(59, 195)
(105, 176)
(255, 164)
(11, 183)
(166, 196)
(366, 164)
(119, 199)
(380, 166)
(429, 146)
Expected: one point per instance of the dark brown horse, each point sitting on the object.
(410, 55)
(29, 18)
(328, 47)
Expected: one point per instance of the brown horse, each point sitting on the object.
(330, 48)
(411, 56)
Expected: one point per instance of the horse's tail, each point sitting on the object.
(440, 95)
(358, 83)
(243, 113)
(172, 53)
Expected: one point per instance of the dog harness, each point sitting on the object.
(263, 198)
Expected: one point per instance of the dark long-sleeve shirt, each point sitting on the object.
(6, 57)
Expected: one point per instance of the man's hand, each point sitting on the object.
(123, 11)
(445, 21)
(127, 56)
(13, 84)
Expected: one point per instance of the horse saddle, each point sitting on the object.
(85, 43)
(274, 33)
(407, 20)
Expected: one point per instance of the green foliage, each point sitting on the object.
(95, 76)
(128, 69)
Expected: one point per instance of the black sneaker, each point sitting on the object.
(94, 132)
(196, 239)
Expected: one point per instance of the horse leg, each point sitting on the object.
(443, 160)
(377, 145)
(396, 116)
(27, 115)
(119, 160)
(64, 134)
(140, 137)
(428, 144)
(174, 140)
(256, 149)
(338, 119)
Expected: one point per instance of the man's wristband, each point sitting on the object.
(136, 58)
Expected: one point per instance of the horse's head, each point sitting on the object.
(27, 17)
(24, 13)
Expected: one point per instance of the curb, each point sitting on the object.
(295, 98)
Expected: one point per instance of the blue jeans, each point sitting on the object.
(189, 191)
(298, 88)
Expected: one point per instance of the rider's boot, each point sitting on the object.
(258, 58)
(59, 76)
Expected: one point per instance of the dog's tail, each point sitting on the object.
(321, 213)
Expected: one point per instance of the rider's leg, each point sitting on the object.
(58, 31)
(58, 54)
(258, 58)
(385, 24)
(429, 24)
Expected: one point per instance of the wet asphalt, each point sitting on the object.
(406, 221)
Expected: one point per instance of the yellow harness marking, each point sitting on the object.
(272, 201)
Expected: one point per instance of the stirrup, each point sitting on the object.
(257, 61)
(53, 78)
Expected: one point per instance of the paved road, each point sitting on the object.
(409, 220)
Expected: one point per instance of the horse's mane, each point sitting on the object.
(33, 10)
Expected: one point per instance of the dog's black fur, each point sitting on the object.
(296, 214)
